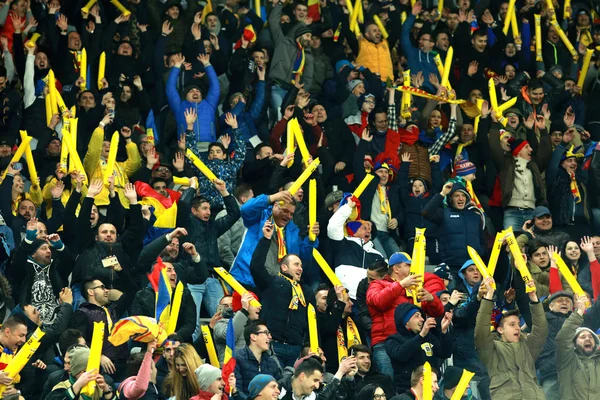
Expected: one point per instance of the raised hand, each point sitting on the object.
(130, 193)
(95, 188)
(366, 135)
(447, 188)
(268, 229)
(190, 116)
(167, 29)
(231, 120)
(179, 161)
(178, 232)
(57, 190)
(190, 249)
(427, 325)
(405, 157)
(225, 140)
(204, 59)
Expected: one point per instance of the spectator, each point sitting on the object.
(263, 387)
(416, 385)
(210, 382)
(503, 357)
(449, 384)
(385, 295)
(560, 306)
(229, 243)
(285, 299)
(576, 354)
(166, 362)
(254, 359)
(181, 381)
(142, 375)
(366, 376)
(416, 342)
(541, 227)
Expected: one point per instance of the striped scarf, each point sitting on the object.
(297, 293)
(281, 250)
(575, 189)
(299, 64)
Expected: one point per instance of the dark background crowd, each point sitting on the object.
(107, 105)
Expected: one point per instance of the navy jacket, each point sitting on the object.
(457, 229)
(247, 367)
(408, 350)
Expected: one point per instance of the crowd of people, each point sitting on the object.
(145, 144)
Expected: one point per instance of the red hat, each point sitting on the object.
(236, 301)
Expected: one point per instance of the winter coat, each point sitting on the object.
(413, 206)
(381, 380)
(457, 228)
(505, 164)
(144, 303)
(546, 362)
(240, 319)
(511, 366)
(364, 320)
(95, 167)
(385, 295)
(578, 375)
(560, 198)
(204, 234)
(247, 367)
(408, 350)
(229, 243)
(22, 270)
(227, 170)
(205, 126)
(463, 319)
(286, 325)
(247, 119)
(255, 212)
(554, 237)
(418, 61)
(286, 49)
(351, 256)
(376, 57)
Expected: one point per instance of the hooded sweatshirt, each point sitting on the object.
(408, 349)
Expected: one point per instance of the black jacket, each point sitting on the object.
(204, 234)
(408, 350)
(381, 380)
(88, 313)
(285, 325)
(364, 320)
(21, 271)
(546, 362)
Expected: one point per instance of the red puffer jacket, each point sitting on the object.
(383, 296)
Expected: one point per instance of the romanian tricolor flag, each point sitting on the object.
(163, 295)
(151, 131)
(138, 328)
(314, 10)
(228, 360)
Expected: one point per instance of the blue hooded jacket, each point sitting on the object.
(254, 213)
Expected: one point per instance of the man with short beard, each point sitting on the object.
(577, 356)
(560, 306)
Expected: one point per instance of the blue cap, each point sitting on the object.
(257, 384)
(540, 211)
(398, 258)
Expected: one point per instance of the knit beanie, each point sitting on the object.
(364, 97)
(353, 83)
(464, 168)
(36, 244)
(79, 357)
(582, 329)
(516, 145)
(301, 31)
(342, 63)
(258, 383)
(452, 376)
(409, 315)
(206, 374)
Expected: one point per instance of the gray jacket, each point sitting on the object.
(220, 333)
(286, 49)
(229, 243)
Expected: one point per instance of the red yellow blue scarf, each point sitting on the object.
(299, 64)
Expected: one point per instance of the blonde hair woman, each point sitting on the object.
(181, 383)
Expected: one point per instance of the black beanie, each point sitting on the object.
(301, 31)
(452, 376)
(36, 244)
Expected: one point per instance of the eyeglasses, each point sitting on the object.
(265, 332)
(103, 287)
(162, 169)
(379, 396)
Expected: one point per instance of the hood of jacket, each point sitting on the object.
(461, 274)
(400, 313)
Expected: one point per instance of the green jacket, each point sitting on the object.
(511, 366)
(578, 375)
